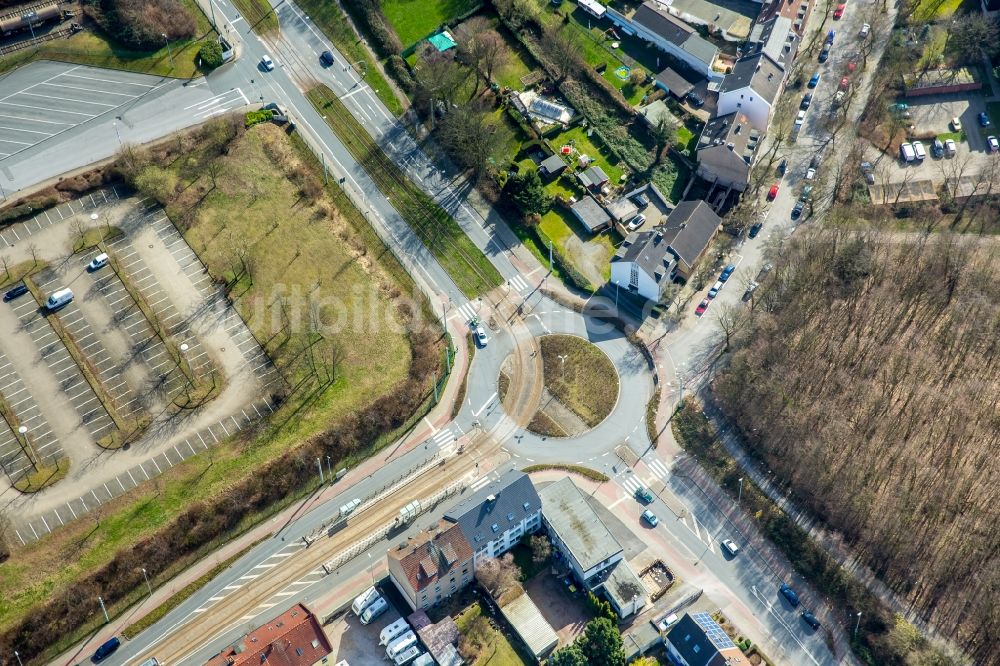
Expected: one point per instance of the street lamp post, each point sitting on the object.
(117, 133)
(562, 364)
(149, 587)
(739, 499)
(107, 618)
(166, 41)
(18, 657)
(857, 624)
(319, 464)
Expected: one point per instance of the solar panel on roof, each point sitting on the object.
(719, 638)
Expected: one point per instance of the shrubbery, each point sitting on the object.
(210, 54)
(367, 14)
(141, 24)
(400, 71)
(258, 117)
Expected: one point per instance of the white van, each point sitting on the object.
(59, 298)
(373, 611)
(906, 152)
(408, 656)
(98, 262)
(393, 631)
(918, 150)
(401, 645)
(364, 600)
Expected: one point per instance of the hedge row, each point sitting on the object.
(368, 16)
(257, 117)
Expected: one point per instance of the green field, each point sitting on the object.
(294, 246)
(93, 47)
(334, 23)
(465, 263)
(414, 20)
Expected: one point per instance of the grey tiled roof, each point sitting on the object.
(649, 250)
(514, 499)
(695, 224)
(758, 72)
(590, 213)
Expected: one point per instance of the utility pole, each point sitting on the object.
(551, 265)
(322, 479)
(435, 388)
(106, 617)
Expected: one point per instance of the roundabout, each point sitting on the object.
(580, 408)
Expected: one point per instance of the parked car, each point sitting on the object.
(716, 288)
(800, 118)
(865, 29)
(956, 124)
(814, 81)
(797, 209)
(824, 55)
(643, 494)
(650, 518)
(810, 619)
(991, 142)
(937, 148)
(640, 200)
(844, 83)
(754, 230)
(906, 152)
(726, 272)
(750, 289)
(373, 611)
(326, 57)
(806, 101)
(267, 63)
(636, 222)
(830, 35)
(838, 13)
(695, 100)
(14, 292)
(106, 650)
(870, 178)
(100, 261)
(700, 310)
(806, 191)
(782, 165)
(773, 192)
(918, 151)
(950, 148)
(810, 173)
(984, 120)
(481, 338)
(788, 593)
(730, 547)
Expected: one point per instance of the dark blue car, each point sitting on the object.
(726, 272)
(814, 81)
(106, 650)
(789, 594)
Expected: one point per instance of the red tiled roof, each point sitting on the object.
(430, 555)
(291, 639)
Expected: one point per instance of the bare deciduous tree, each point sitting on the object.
(498, 575)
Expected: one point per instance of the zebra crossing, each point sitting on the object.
(519, 283)
(446, 440)
(658, 468)
(468, 311)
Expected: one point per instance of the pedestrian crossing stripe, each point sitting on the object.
(631, 484)
(658, 468)
(443, 436)
(517, 282)
(467, 311)
(480, 483)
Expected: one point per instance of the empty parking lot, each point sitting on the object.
(48, 99)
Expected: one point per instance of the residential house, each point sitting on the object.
(496, 517)
(432, 565)
(648, 261)
(590, 214)
(294, 638)
(698, 640)
(758, 77)
(551, 167)
(727, 149)
(441, 638)
(653, 22)
(592, 7)
(593, 178)
(589, 549)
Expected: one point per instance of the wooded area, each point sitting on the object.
(868, 379)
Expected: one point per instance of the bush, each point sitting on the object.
(210, 54)
(400, 72)
(141, 24)
(367, 14)
(257, 117)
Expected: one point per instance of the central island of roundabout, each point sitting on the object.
(582, 391)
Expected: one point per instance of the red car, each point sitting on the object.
(844, 82)
(700, 310)
(838, 13)
(773, 192)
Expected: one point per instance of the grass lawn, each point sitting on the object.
(519, 63)
(465, 263)
(258, 15)
(295, 248)
(334, 23)
(937, 10)
(586, 382)
(589, 254)
(480, 643)
(588, 145)
(93, 47)
(416, 19)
